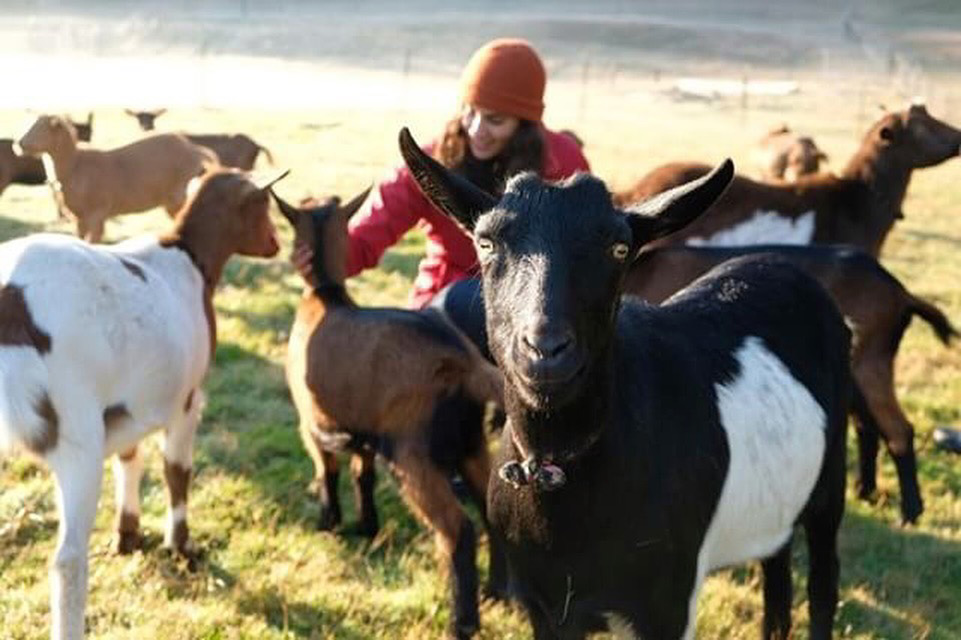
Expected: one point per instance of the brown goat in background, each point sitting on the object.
(98, 184)
(28, 170)
(233, 149)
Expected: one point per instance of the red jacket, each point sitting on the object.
(396, 205)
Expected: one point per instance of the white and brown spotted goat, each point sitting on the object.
(782, 154)
(100, 346)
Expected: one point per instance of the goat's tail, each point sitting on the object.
(25, 409)
(934, 317)
(266, 152)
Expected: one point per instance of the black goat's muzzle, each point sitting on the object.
(547, 361)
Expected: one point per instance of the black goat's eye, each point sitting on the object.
(485, 245)
(620, 251)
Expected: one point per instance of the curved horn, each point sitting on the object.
(267, 180)
(286, 209)
(450, 193)
(676, 208)
(355, 203)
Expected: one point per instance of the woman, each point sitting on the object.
(497, 134)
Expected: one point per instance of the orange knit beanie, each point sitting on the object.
(506, 76)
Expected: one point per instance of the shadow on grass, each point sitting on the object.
(400, 262)
(11, 228)
(901, 583)
(256, 273)
(895, 582)
(275, 322)
(300, 620)
(250, 430)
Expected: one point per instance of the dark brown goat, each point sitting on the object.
(876, 306)
(232, 149)
(857, 208)
(782, 154)
(375, 377)
(146, 119)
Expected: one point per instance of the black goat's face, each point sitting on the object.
(552, 258)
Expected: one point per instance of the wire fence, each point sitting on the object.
(406, 56)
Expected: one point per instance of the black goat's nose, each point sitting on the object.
(548, 344)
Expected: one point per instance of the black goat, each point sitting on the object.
(232, 149)
(876, 306)
(646, 446)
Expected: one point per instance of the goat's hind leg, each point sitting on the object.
(777, 594)
(868, 440)
(128, 471)
(178, 468)
(875, 377)
(906, 464)
(822, 520)
(78, 471)
(427, 490)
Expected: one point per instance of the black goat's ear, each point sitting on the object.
(289, 211)
(674, 209)
(264, 181)
(450, 193)
(352, 207)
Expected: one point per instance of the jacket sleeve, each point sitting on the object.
(579, 162)
(393, 208)
(565, 157)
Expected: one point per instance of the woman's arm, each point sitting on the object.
(392, 209)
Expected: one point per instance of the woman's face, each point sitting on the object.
(487, 131)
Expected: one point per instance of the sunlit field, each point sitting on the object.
(266, 573)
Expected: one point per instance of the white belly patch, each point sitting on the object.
(775, 433)
(764, 227)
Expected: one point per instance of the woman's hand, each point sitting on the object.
(302, 257)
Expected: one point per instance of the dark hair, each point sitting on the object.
(523, 152)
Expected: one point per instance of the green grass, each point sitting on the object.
(268, 574)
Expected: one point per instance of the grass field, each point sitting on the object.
(268, 574)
